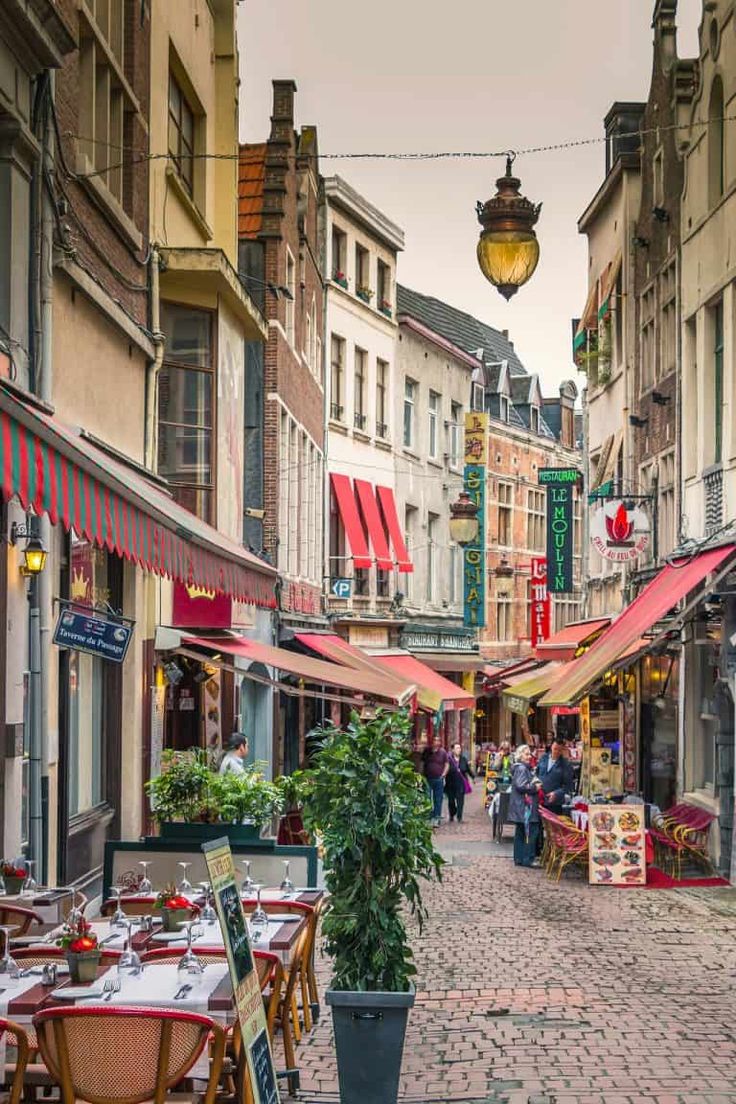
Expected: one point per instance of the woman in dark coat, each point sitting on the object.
(455, 782)
(524, 808)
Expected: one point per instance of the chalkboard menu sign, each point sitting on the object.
(265, 1081)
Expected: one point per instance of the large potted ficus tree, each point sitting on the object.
(366, 801)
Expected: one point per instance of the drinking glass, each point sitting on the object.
(146, 885)
(248, 883)
(189, 968)
(287, 885)
(129, 964)
(9, 971)
(75, 914)
(119, 918)
(184, 886)
(30, 886)
(208, 914)
(259, 917)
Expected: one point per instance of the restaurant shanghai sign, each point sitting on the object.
(560, 484)
(474, 558)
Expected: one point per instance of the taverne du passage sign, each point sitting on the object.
(560, 484)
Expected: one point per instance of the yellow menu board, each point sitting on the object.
(617, 845)
(243, 973)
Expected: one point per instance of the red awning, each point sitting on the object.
(374, 523)
(60, 472)
(665, 590)
(316, 671)
(563, 644)
(348, 508)
(388, 506)
(433, 689)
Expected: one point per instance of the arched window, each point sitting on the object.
(716, 144)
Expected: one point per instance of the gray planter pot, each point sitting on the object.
(369, 1042)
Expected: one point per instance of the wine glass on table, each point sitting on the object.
(129, 964)
(184, 886)
(145, 887)
(119, 918)
(208, 914)
(248, 884)
(287, 886)
(259, 917)
(189, 968)
(9, 970)
(30, 886)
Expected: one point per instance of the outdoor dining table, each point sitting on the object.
(50, 904)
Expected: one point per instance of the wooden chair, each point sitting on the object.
(125, 1055)
(18, 919)
(20, 1041)
(41, 953)
(307, 964)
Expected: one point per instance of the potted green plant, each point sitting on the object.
(370, 807)
(174, 908)
(191, 800)
(13, 877)
(83, 954)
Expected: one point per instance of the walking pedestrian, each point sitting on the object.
(457, 782)
(524, 808)
(436, 767)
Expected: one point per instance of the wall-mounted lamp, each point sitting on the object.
(504, 569)
(638, 422)
(34, 553)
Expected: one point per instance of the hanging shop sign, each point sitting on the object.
(243, 974)
(474, 556)
(620, 531)
(560, 484)
(540, 601)
(83, 630)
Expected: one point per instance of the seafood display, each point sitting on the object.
(617, 846)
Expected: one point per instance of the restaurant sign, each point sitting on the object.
(620, 531)
(540, 601)
(243, 974)
(84, 631)
(474, 560)
(560, 484)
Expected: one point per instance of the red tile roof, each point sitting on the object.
(251, 174)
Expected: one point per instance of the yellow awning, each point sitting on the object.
(523, 693)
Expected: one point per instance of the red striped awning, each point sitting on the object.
(58, 471)
(390, 516)
(374, 523)
(348, 508)
(659, 596)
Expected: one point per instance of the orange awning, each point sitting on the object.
(563, 644)
(433, 689)
(666, 589)
(316, 671)
(337, 650)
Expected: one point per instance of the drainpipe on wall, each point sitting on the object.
(154, 368)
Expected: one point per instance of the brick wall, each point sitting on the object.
(91, 232)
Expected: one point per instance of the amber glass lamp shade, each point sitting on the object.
(34, 557)
(464, 524)
(508, 250)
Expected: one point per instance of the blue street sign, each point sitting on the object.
(85, 632)
(341, 588)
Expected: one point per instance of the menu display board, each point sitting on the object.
(244, 976)
(617, 845)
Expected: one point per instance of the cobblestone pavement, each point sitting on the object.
(533, 993)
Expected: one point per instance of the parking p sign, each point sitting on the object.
(341, 588)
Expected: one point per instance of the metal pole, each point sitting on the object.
(35, 814)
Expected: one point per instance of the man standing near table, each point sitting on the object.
(557, 777)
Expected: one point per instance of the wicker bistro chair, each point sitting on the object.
(16, 1074)
(306, 969)
(131, 906)
(125, 1055)
(41, 953)
(18, 919)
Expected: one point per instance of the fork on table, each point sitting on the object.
(110, 988)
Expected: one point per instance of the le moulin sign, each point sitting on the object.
(620, 531)
(560, 484)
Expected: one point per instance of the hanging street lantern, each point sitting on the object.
(34, 557)
(464, 520)
(508, 250)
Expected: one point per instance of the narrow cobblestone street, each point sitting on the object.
(533, 993)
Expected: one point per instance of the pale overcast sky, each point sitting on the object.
(406, 75)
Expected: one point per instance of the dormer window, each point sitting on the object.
(504, 408)
(477, 397)
(535, 419)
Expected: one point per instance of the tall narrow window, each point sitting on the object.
(718, 382)
(505, 506)
(384, 301)
(434, 413)
(181, 134)
(432, 520)
(456, 435)
(504, 408)
(716, 143)
(410, 389)
(337, 370)
(359, 416)
(339, 257)
(186, 402)
(382, 399)
(362, 273)
(290, 297)
(410, 517)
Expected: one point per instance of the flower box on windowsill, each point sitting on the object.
(385, 308)
(365, 294)
(341, 279)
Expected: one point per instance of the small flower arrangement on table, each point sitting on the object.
(174, 908)
(13, 877)
(79, 940)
